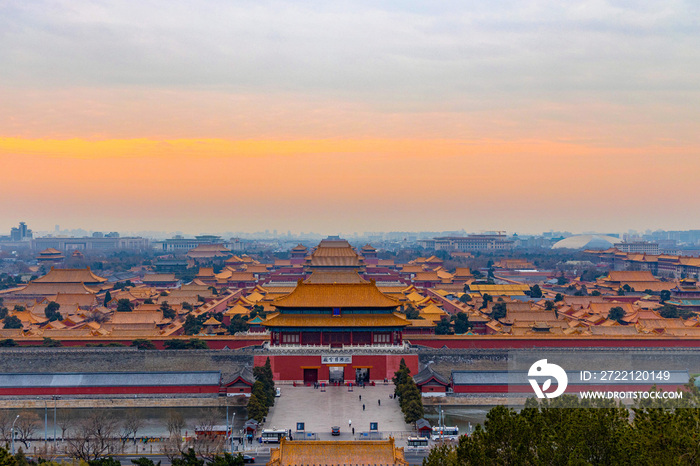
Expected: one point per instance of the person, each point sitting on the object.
(360, 397)
(349, 422)
(363, 407)
(353, 431)
(379, 402)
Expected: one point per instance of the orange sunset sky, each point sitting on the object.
(349, 117)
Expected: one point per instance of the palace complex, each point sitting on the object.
(338, 313)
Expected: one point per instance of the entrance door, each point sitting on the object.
(310, 376)
(336, 374)
(362, 375)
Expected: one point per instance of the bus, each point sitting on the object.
(273, 435)
(417, 443)
(446, 433)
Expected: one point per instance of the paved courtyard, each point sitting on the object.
(335, 407)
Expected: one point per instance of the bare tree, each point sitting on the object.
(175, 444)
(26, 426)
(92, 437)
(130, 426)
(207, 444)
(64, 423)
(6, 418)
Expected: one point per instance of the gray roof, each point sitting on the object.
(245, 373)
(109, 379)
(421, 423)
(426, 374)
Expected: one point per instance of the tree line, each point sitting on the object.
(570, 431)
(410, 399)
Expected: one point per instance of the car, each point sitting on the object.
(248, 459)
(278, 392)
(335, 431)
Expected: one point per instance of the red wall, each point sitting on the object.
(159, 343)
(290, 367)
(108, 390)
(573, 342)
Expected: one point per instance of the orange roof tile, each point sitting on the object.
(344, 320)
(70, 276)
(351, 453)
(360, 295)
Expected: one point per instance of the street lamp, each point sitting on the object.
(13, 435)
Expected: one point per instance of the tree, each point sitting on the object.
(108, 298)
(443, 327)
(7, 343)
(487, 298)
(627, 288)
(3, 312)
(206, 443)
(461, 323)
(187, 306)
(143, 344)
(93, 437)
(143, 461)
(196, 343)
(130, 426)
(168, 312)
(665, 295)
(258, 310)
(148, 301)
(124, 305)
(256, 408)
(411, 311)
(12, 322)
(227, 459)
(616, 313)
(263, 375)
(465, 298)
(188, 458)
(558, 297)
(193, 325)
(535, 291)
(238, 324)
(25, 427)
(109, 461)
(51, 343)
(669, 312)
(499, 311)
(549, 306)
(51, 311)
(595, 293)
(173, 447)
(175, 344)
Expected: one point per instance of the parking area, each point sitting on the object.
(336, 406)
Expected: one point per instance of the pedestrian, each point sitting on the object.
(379, 402)
(349, 422)
(353, 431)
(360, 397)
(363, 407)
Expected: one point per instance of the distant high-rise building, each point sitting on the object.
(21, 233)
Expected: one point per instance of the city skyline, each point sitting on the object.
(336, 117)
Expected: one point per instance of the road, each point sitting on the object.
(413, 458)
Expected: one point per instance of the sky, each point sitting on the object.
(332, 117)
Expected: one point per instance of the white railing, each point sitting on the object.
(332, 349)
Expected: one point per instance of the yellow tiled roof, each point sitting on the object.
(361, 295)
(347, 320)
(346, 452)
